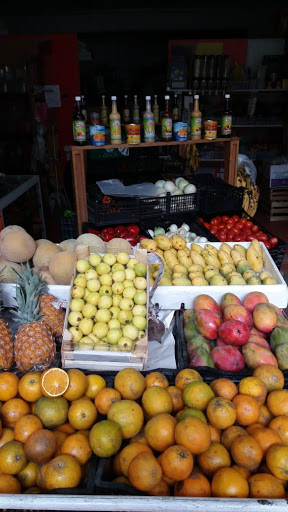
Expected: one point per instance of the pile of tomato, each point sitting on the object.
(130, 232)
(237, 229)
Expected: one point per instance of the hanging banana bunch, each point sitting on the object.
(192, 156)
(251, 192)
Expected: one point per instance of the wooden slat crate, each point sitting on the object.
(274, 202)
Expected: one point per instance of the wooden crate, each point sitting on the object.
(274, 202)
(102, 360)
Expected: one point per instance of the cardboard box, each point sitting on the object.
(276, 175)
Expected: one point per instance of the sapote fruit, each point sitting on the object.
(156, 329)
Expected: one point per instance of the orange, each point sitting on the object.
(54, 382)
(27, 475)
(247, 409)
(194, 434)
(229, 483)
(139, 438)
(229, 434)
(9, 485)
(177, 398)
(280, 425)
(105, 438)
(196, 485)
(197, 394)
(130, 383)
(144, 472)
(156, 378)
(12, 410)
(52, 410)
(245, 472)
(214, 458)
(77, 445)
(185, 376)
(265, 415)
(63, 471)
(105, 398)
(272, 376)
(156, 400)
(254, 387)
(264, 485)
(266, 437)
(190, 411)
(7, 435)
(116, 464)
(30, 387)
(129, 416)
(25, 426)
(277, 461)
(41, 446)
(129, 452)
(8, 385)
(221, 412)
(78, 384)
(224, 387)
(95, 383)
(82, 413)
(65, 427)
(161, 489)
(246, 452)
(12, 458)
(215, 433)
(177, 462)
(277, 402)
(160, 431)
(60, 438)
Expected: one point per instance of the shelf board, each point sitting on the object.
(258, 125)
(154, 144)
(230, 91)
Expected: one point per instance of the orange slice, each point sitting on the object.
(54, 382)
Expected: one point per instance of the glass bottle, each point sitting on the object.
(155, 109)
(103, 112)
(148, 122)
(226, 119)
(79, 124)
(196, 119)
(115, 123)
(126, 111)
(136, 116)
(166, 121)
(175, 110)
(83, 107)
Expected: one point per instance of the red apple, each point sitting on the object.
(229, 298)
(256, 331)
(252, 298)
(228, 358)
(207, 323)
(204, 301)
(234, 332)
(255, 338)
(264, 317)
(238, 312)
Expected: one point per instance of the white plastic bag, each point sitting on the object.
(116, 188)
(249, 167)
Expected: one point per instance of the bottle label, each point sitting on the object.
(226, 125)
(79, 130)
(166, 128)
(136, 117)
(149, 130)
(196, 127)
(156, 114)
(126, 115)
(115, 131)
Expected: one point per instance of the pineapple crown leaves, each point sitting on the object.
(28, 289)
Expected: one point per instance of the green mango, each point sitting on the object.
(188, 314)
(201, 357)
(197, 341)
(281, 353)
(278, 335)
(190, 330)
(243, 265)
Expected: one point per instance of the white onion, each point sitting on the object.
(159, 191)
(185, 226)
(177, 180)
(177, 192)
(169, 186)
(182, 183)
(173, 228)
(190, 189)
(203, 239)
(160, 183)
(196, 239)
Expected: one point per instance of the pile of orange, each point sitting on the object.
(182, 438)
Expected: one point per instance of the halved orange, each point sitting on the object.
(54, 382)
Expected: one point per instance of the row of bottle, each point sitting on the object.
(169, 120)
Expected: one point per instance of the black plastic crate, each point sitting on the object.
(216, 195)
(68, 227)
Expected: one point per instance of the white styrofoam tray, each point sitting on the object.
(171, 297)
(60, 291)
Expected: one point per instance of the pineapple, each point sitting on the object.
(34, 345)
(6, 344)
(52, 316)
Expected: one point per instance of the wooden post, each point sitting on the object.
(79, 178)
(231, 161)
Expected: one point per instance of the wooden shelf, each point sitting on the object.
(153, 144)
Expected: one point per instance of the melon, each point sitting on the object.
(94, 242)
(46, 276)
(41, 241)
(118, 245)
(44, 253)
(8, 229)
(68, 245)
(17, 246)
(61, 267)
(7, 271)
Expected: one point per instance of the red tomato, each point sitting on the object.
(229, 225)
(214, 230)
(249, 224)
(133, 229)
(235, 218)
(262, 237)
(250, 237)
(224, 218)
(119, 229)
(238, 238)
(214, 221)
(267, 244)
(273, 241)
(221, 237)
(106, 237)
(221, 225)
(206, 224)
(255, 228)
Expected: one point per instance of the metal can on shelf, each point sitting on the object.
(132, 133)
(210, 129)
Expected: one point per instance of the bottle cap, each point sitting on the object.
(135, 96)
(125, 96)
(196, 96)
(77, 98)
(227, 95)
(148, 97)
(113, 98)
(167, 97)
